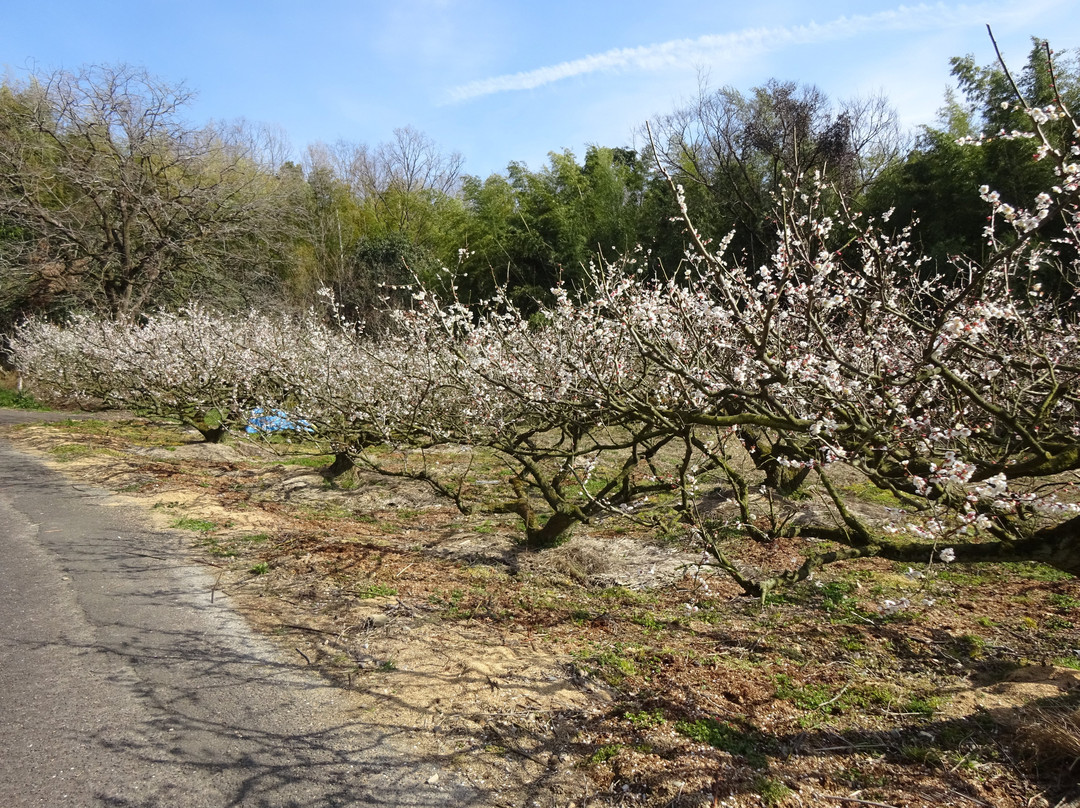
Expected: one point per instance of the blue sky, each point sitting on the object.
(501, 81)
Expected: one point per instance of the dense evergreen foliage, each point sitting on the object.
(933, 184)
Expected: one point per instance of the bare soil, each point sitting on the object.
(613, 670)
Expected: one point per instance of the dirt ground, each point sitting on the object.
(613, 670)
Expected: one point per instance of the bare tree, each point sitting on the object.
(875, 137)
(412, 162)
(126, 203)
(372, 216)
(399, 179)
(405, 176)
(739, 148)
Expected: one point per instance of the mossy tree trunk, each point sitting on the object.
(343, 462)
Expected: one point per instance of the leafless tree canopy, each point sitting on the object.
(739, 148)
(398, 178)
(119, 201)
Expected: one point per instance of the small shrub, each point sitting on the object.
(771, 790)
(971, 646)
(1051, 737)
(605, 753)
(646, 719)
(579, 616)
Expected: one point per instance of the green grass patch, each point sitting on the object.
(14, 400)
(852, 643)
(921, 753)
(1064, 602)
(868, 492)
(605, 753)
(925, 706)
(647, 620)
(805, 697)
(67, 452)
(825, 699)
(137, 432)
(630, 597)
(746, 743)
(197, 525)
(970, 576)
(374, 591)
(453, 604)
(311, 461)
(771, 790)
(646, 719)
(838, 602)
(1035, 571)
(217, 549)
(259, 569)
(613, 667)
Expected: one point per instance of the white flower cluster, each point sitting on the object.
(856, 353)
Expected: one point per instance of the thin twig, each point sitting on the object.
(854, 800)
(836, 697)
(298, 627)
(850, 747)
(966, 797)
(1005, 67)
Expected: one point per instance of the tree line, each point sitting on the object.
(112, 201)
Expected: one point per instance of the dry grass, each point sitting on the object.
(1050, 737)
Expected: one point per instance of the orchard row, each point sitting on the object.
(954, 393)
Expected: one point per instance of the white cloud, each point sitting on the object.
(719, 48)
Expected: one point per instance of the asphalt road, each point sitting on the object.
(122, 683)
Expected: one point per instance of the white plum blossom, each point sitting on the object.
(844, 355)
